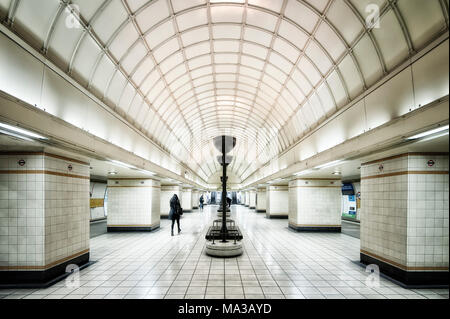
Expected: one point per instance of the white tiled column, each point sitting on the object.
(261, 200)
(277, 202)
(405, 216)
(247, 198)
(44, 216)
(195, 198)
(252, 200)
(242, 198)
(133, 204)
(315, 205)
(167, 191)
(186, 199)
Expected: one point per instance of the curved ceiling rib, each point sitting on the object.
(266, 71)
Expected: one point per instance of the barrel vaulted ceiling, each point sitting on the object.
(264, 71)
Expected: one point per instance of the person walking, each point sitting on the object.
(175, 212)
(201, 202)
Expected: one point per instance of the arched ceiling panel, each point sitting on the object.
(265, 71)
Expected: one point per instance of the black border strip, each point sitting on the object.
(409, 279)
(325, 229)
(41, 278)
(131, 229)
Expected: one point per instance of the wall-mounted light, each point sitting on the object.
(19, 132)
(147, 172)
(331, 164)
(430, 132)
(303, 172)
(112, 173)
(122, 164)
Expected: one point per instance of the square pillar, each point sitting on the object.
(247, 199)
(277, 202)
(195, 199)
(133, 205)
(261, 200)
(315, 205)
(44, 217)
(186, 200)
(405, 214)
(252, 199)
(167, 191)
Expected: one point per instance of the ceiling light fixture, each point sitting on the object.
(122, 164)
(147, 172)
(330, 164)
(303, 172)
(112, 173)
(430, 132)
(16, 135)
(13, 129)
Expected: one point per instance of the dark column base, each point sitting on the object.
(164, 216)
(277, 216)
(195, 207)
(409, 279)
(325, 229)
(41, 278)
(252, 207)
(131, 228)
(187, 211)
(260, 210)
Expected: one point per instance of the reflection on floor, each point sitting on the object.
(277, 263)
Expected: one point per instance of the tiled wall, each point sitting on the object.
(186, 201)
(277, 201)
(166, 194)
(261, 199)
(405, 210)
(315, 202)
(133, 203)
(44, 209)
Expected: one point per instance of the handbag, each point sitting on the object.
(179, 210)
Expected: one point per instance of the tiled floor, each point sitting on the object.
(277, 263)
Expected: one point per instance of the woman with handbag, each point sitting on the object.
(175, 212)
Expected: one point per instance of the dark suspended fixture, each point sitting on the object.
(224, 237)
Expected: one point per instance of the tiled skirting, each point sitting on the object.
(131, 228)
(316, 228)
(260, 210)
(277, 216)
(411, 279)
(41, 277)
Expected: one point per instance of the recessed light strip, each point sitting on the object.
(430, 132)
(20, 131)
